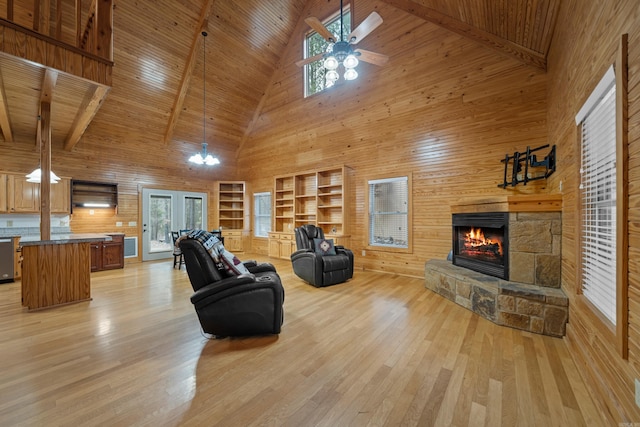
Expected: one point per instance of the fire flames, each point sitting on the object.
(475, 242)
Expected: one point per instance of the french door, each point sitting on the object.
(164, 211)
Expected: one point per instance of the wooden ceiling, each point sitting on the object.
(156, 99)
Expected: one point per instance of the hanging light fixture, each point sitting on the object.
(204, 158)
(36, 176)
(340, 53)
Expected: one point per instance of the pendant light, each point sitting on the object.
(36, 176)
(204, 158)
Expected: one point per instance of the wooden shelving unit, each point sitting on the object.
(283, 204)
(312, 197)
(94, 194)
(231, 215)
(331, 201)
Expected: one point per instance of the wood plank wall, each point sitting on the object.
(585, 44)
(445, 109)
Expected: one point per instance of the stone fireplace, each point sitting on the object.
(506, 262)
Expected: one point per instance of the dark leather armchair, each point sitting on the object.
(248, 304)
(316, 269)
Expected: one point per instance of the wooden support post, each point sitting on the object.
(45, 166)
(44, 141)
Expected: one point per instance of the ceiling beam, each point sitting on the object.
(188, 71)
(5, 123)
(87, 111)
(499, 44)
(275, 75)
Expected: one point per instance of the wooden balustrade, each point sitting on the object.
(83, 25)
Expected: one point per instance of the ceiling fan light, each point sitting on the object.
(350, 74)
(350, 61)
(332, 76)
(331, 63)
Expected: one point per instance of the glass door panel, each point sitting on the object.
(160, 221)
(193, 212)
(164, 211)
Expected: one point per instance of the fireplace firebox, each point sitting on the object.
(481, 242)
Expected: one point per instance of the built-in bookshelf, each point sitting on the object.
(317, 197)
(331, 201)
(232, 214)
(231, 205)
(284, 204)
(305, 195)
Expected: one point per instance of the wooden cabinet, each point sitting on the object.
(317, 197)
(234, 240)
(4, 205)
(45, 284)
(21, 196)
(17, 258)
(108, 255)
(24, 196)
(61, 196)
(281, 245)
(231, 214)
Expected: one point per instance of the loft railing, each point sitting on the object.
(83, 25)
(73, 36)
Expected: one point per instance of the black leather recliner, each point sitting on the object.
(248, 304)
(320, 270)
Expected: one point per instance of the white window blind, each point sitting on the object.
(388, 212)
(598, 195)
(261, 214)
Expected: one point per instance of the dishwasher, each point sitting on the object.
(6, 260)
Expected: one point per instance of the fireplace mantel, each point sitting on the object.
(520, 203)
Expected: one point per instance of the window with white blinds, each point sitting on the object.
(389, 212)
(261, 214)
(598, 196)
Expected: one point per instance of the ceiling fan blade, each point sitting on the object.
(320, 29)
(309, 60)
(372, 22)
(372, 57)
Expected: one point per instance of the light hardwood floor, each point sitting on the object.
(378, 350)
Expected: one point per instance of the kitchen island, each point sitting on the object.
(57, 271)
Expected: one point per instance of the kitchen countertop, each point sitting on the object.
(61, 239)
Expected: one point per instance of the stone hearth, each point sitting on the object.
(537, 309)
(531, 299)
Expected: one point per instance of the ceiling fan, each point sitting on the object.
(341, 49)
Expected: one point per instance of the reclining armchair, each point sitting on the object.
(316, 263)
(238, 305)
